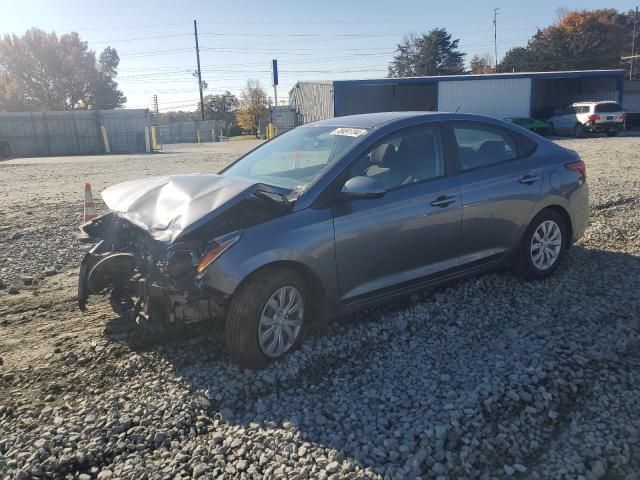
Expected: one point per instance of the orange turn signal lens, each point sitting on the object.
(210, 255)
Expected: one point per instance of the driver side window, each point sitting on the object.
(411, 155)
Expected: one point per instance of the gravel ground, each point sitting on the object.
(491, 377)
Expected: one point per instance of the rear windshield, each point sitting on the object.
(608, 107)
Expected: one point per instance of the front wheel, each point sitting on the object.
(579, 131)
(267, 318)
(542, 247)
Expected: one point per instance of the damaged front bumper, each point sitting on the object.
(139, 290)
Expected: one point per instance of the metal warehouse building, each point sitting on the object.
(501, 95)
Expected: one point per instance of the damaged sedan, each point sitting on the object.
(331, 217)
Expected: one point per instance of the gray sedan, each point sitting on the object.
(331, 217)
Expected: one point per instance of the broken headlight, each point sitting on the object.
(216, 248)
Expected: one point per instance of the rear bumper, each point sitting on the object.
(605, 127)
(579, 210)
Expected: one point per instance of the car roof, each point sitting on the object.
(594, 102)
(373, 120)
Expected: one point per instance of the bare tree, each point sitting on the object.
(253, 106)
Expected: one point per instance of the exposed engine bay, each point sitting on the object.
(161, 235)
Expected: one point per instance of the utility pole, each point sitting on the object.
(495, 36)
(633, 44)
(224, 112)
(195, 31)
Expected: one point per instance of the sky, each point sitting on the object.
(312, 40)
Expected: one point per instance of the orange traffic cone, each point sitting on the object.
(89, 204)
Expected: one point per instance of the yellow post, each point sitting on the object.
(272, 131)
(154, 139)
(198, 135)
(105, 139)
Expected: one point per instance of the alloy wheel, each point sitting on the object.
(281, 321)
(546, 244)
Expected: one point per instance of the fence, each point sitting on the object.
(77, 132)
(186, 132)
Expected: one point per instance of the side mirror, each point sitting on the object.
(361, 188)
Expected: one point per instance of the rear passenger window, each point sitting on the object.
(480, 146)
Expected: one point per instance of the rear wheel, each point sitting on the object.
(612, 133)
(579, 131)
(542, 247)
(267, 318)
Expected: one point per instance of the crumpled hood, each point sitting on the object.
(166, 206)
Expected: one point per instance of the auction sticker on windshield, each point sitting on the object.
(348, 132)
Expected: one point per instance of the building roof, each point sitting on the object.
(539, 75)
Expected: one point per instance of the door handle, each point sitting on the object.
(529, 179)
(443, 201)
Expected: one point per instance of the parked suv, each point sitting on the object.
(590, 117)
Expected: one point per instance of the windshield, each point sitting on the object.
(296, 158)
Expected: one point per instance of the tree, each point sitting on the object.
(178, 116)
(518, 59)
(480, 65)
(221, 108)
(435, 53)
(47, 72)
(253, 106)
(105, 94)
(579, 40)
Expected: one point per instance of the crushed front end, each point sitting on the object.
(155, 284)
(154, 246)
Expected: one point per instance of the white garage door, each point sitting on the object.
(498, 98)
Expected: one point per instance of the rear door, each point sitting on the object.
(501, 183)
(411, 232)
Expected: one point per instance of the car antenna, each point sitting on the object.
(457, 109)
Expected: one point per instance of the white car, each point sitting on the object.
(590, 117)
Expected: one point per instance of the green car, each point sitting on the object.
(537, 126)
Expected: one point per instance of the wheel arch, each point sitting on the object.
(560, 210)
(320, 316)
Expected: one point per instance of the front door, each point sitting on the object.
(411, 232)
(567, 120)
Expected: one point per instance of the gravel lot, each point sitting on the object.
(491, 377)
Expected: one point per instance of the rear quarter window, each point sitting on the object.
(525, 145)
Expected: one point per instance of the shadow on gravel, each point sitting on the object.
(420, 384)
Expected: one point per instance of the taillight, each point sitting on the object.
(622, 117)
(593, 118)
(577, 166)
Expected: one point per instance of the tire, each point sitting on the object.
(579, 131)
(613, 133)
(524, 264)
(249, 303)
